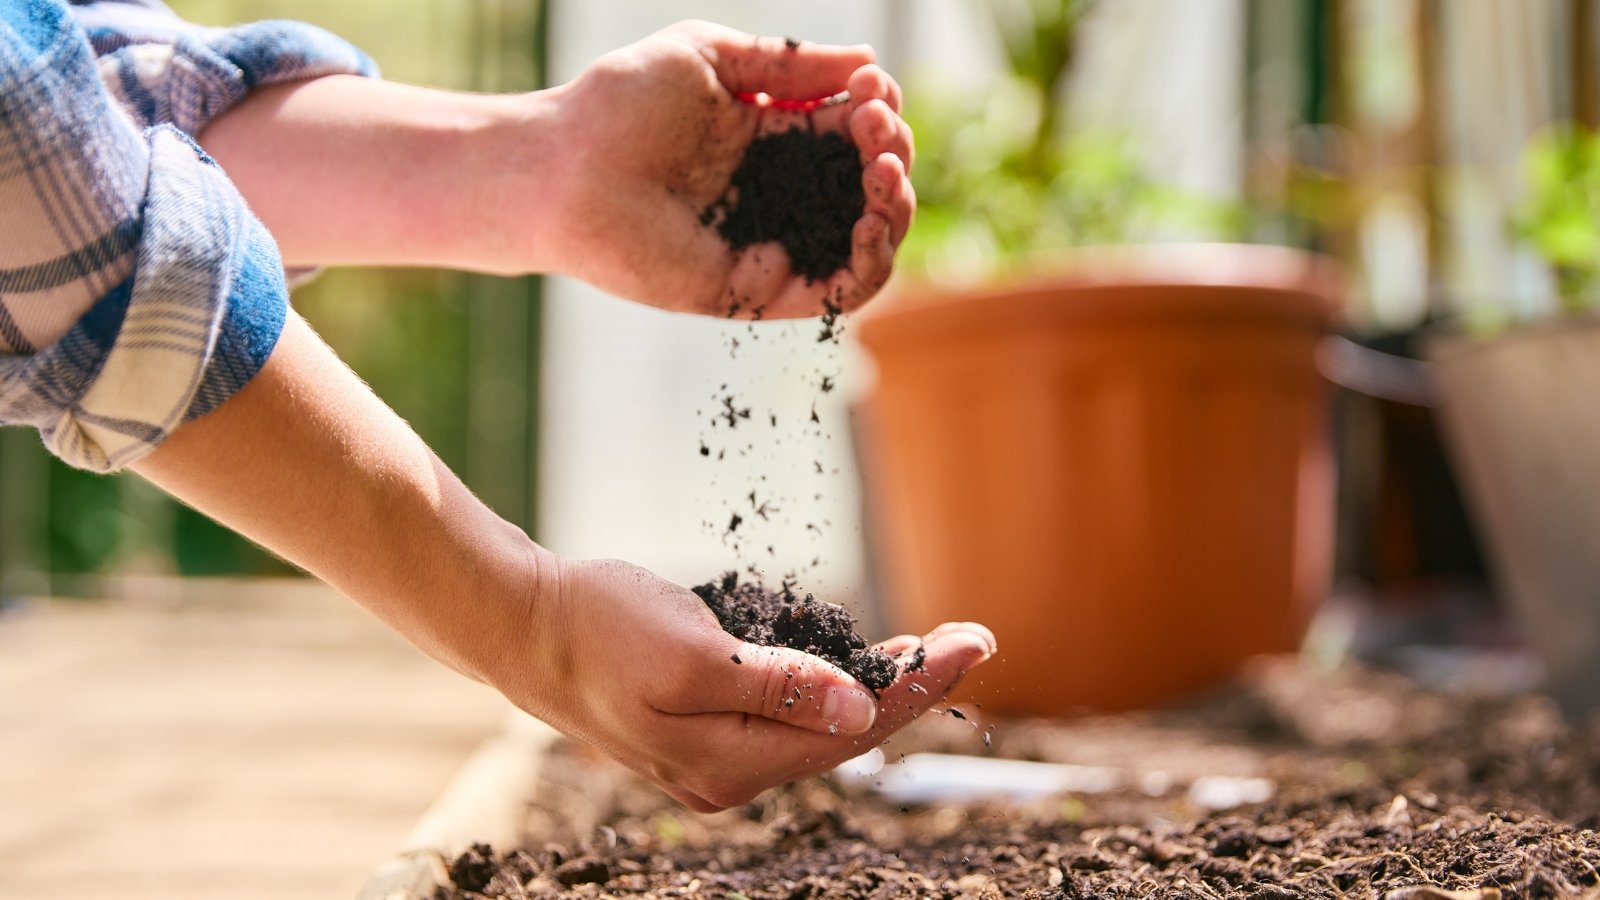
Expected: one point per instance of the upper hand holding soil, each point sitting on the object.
(655, 133)
(641, 669)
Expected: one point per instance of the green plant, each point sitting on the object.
(1001, 176)
(1560, 216)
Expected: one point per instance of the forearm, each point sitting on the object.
(356, 171)
(308, 462)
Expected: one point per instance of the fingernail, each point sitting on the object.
(971, 639)
(984, 635)
(851, 710)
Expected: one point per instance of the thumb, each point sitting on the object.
(781, 684)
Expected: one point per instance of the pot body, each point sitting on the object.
(1127, 476)
(1522, 420)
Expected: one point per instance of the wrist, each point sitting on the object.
(515, 583)
(357, 171)
(519, 174)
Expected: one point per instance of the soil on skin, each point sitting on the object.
(801, 189)
(782, 618)
(1382, 791)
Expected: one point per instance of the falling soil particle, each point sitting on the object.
(799, 188)
(732, 413)
(831, 329)
(781, 618)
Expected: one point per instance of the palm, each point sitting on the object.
(662, 695)
(668, 135)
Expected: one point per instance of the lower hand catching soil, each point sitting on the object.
(640, 668)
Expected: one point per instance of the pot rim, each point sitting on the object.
(1156, 283)
(1449, 341)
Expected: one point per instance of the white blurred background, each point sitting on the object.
(628, 391)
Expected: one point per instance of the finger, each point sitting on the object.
(762, 276)
(899, 644)
(903, 646)
(973, 628)
(871, 259)
(952, 651)
(876, 130)
(890, 195)
(759, 275)
(777, 683)
(872, 83)
(798, 70)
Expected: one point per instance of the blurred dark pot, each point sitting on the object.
(1521, 414)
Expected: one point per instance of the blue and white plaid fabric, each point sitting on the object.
(137, 290)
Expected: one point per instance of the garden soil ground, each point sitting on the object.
(1383, 790)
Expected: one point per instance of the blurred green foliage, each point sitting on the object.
(1559, 218)
(1002, 177)
(408, 333)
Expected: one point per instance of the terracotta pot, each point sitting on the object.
(1122, 468)
(1519, 413)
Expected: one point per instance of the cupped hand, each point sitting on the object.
(653, 133)
(639, 668)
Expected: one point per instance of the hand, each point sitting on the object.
(639, 668)
(652, 135)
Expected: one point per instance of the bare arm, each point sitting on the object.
(356, 171)
(603, 179)
(307, 461)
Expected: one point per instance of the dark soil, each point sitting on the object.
(801, 189)
(782, 618)
(1382, 791)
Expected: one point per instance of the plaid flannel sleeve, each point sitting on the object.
(137, 290)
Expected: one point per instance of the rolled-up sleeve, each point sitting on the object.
(137, 291)
(168, 71)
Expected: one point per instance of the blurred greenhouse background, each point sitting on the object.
(1394, 134)
(455, 354)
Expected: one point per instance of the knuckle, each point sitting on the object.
(693, 27)
(774, 685)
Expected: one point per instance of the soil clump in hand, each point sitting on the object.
(782, 618)
(801, 189)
